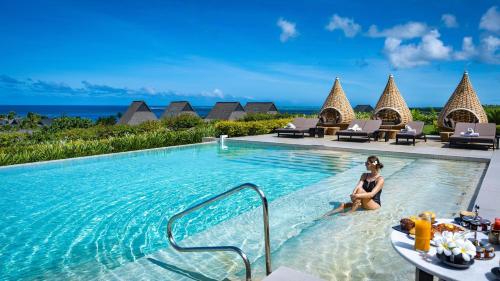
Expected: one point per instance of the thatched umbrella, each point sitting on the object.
(463, 106)
(391, 108)
(336, 109)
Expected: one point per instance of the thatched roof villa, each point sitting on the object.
(261, 107)
(177, 108)
(226, 111)
(138, 112)
(363, 108)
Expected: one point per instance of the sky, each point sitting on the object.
(112, 52)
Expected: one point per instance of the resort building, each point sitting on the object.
(391, 108)
(363, 108)
(177, 108)
(45, 122)
(226, 111)
(336, 109)
(138, 112)
(463, 106)
(261, 107)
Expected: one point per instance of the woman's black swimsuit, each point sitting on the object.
(368, 186)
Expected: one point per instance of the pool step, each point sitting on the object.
(311, 162)
(287, 274)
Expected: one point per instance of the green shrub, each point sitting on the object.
(183, 121)
(12, 138)
(250, 128)
(61, 149)
(493, 114)
(363, 115)
(265, 116)
(431, 129)
(427, 117)
(106, 121)
(64, 123)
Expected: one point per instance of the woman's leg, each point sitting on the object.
(339, 209)
(369, 204)
(357, 203)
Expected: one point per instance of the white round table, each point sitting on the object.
(428, 265)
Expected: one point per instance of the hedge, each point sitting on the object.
(76, 148)
(238, 129)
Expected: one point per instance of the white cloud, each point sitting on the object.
(348, 26)
(402, 31)
(468, 50)
(216, 93)
(288, 29)
(410, 55)
(490, 50)
(491, 20)
(449, 20)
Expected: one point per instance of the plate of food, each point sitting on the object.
(451, 227)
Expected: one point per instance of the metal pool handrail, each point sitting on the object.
(265, 213)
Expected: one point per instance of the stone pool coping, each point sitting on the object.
(487, 195)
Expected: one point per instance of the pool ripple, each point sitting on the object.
(105, 218)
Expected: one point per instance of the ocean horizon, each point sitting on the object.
(95, 111)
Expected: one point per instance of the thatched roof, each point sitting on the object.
(363, 108)
(336, 108)
(391, 107)
(226, 111)
(261, 107)
(463, 106)
(177, 108)
(137, 113)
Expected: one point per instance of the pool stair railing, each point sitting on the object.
(246, 261)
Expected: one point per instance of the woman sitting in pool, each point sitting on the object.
(367, 192)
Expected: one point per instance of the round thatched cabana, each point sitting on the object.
(463, 106)
(336, 109)
(391, 108)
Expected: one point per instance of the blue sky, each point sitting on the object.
(112, 52)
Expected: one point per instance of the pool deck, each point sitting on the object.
(488, 194)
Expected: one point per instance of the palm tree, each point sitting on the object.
(32, 119)
(11, 115)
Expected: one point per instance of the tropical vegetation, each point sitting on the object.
(67, 137)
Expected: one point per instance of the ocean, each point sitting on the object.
(95, 111)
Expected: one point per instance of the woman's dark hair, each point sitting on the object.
(374, 159)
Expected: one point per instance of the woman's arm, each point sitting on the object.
(378, 187)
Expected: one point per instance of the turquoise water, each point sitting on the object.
(105, 217)
(101, 212)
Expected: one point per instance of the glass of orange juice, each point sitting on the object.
(423, 233)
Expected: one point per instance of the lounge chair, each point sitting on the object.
(418, 126)
(486, 133)
(369, 129)
(302, 126)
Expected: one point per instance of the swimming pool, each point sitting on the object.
(105, 217)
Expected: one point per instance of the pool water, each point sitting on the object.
(105, 217)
